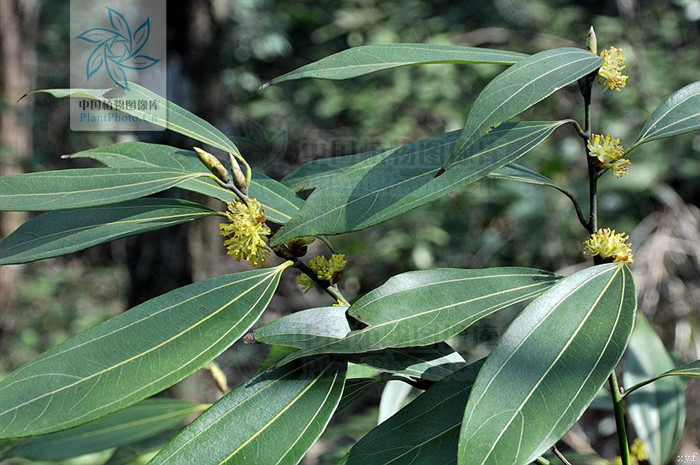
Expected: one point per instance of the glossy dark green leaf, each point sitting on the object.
(518, 88)
(134, 355)
(688, 370)
(280, 203)
(178, 119)
(126, 455)
(677, 115)
(133, 424)
(305, 328)
(424, 307)
(273, 418)
(358, 61)
(431, 363)
(66, 231)
(425, 432)
(398, 180)
(548, 366)
(354, 388)
(64, 189)
(657, 411)
(316, 326)
(322, 171)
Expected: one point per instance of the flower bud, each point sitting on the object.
(238, 176)
(213, 164)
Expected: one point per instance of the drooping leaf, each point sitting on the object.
(658, 410)
(443, 302)
(398, 180)
(518, 88)
(316, 326)
(126, 455)
(143, 420)
(305, 328)
(393, 397)
(273, 418)
(66, 231)
(133, 355)
(178, 119)
(425, 432)
(279, 202)
(548, 366)
(64, 189)
(358, 61)
(677, 115)
(431, 363)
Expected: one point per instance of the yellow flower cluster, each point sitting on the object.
(610, 73)
(609, 153)
(608, 244)
(246, 232)
(326, 270)
(637, 453)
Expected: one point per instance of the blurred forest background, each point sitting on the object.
(221, 51)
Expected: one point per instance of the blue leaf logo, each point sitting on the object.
(117, 48)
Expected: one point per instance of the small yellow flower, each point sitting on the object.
(609, 153)
(326, 270)
(246, 232)
(610, 73)
(638, 451)
(305, 282)
(608, 244)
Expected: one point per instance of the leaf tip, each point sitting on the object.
(440, 172)
(266, 85)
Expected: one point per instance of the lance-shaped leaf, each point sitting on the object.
(125, 455)
(65, 231)
(63, 189)
(657, 411)
(398, 180)
(322, 171)
(425, 307)
(273, 418)
(394, 395)
(425, 432)
(143, 420)
(548, 366)
(178, 119)
(677, 115)
(358, 61)
(317, 326)
(518, 88)
(134, 355)
(280, 203)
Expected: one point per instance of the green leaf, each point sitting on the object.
(366, 59)
(688, 370)
(401, 179)
(425, 432)
(354, 388)
(178, 119)
(322, 171)
(519, 173)
(657, 411)
(316, 326)
(431, 363)
(143, 420)
(125, 455)
(273, 418)
(63, 189)
(66, 231)
(548, 366)
(280, 203)
(393, 397)
(677, 115)
(518, 88)
(425, 307)
(305, 328)
(134, 355)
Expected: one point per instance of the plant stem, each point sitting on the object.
(330, 290)
(560, 456)
(620, 419)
